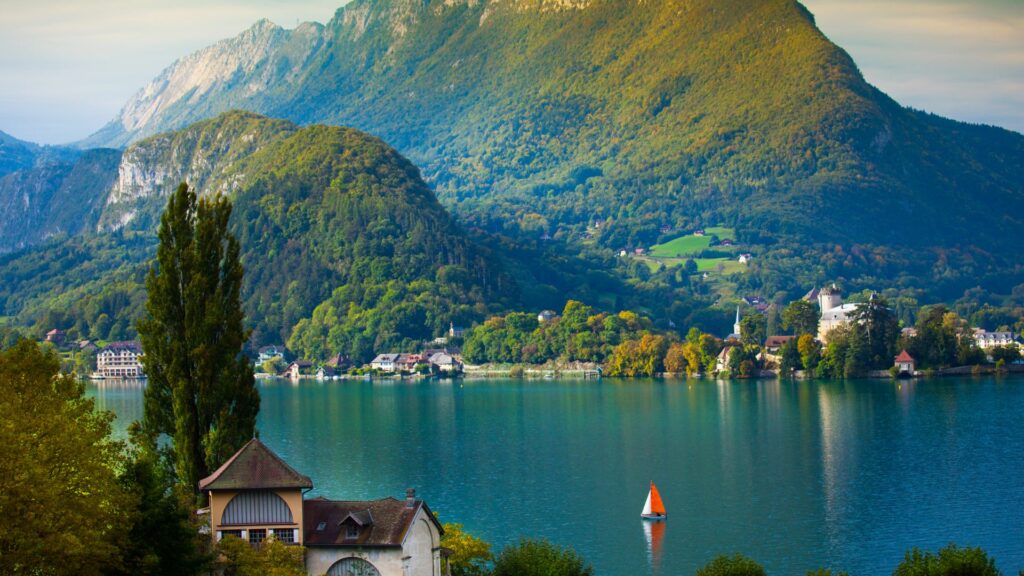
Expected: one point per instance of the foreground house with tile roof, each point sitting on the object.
(256, 494)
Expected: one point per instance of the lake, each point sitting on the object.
(797, 475)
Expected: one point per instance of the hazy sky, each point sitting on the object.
(67, 66)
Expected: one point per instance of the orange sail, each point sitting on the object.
(657, 506)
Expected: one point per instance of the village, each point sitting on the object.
(442, 357)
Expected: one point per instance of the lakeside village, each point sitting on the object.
(747, 352)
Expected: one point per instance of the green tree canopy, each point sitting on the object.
(540, 558)
(950, 561)
(201, 388)
(800, 317)
(59, 490)
(737, 565)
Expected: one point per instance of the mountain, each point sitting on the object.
(16, 154)
(557, 113)
(61, 193)
(339, 234)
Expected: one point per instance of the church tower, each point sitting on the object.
(736, 325)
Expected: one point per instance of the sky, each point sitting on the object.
(67, 66)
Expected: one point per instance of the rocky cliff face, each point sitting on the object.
(234, 73)
(204, 155)
(58, 197)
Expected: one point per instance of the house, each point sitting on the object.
(385, 362)
(666, 229)
(326, 372)
(56, 337)
(833, 312)
(120, 360)
(773, 344)
(408, 362)
(623, 253)
(909, 332)
(811, 296)
(86, 346)
(339, 362)
(726, 243)
(546, 316)
(297, 369)
(722, 362)
(443, 362)
(639, 251)
(905, 363)
(255, 494)
(455, 331)
(986, 340)
(698, 232)
(746, 258)
(269, 353)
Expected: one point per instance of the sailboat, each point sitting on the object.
(654, 508)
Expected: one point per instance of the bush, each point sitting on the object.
(737, 565)
(950, 561)
(516, 372)
(540, 558)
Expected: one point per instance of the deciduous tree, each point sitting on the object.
(63, 506)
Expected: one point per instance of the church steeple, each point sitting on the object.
(736, 326)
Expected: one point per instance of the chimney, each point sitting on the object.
(410, 498)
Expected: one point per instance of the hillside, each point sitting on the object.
(16, 154)
(339, 236)
(59, 195)
(530, 116)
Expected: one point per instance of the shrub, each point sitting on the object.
(540, 558)
(950, 561)
(737, 565)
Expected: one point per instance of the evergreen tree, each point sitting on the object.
(201, 388)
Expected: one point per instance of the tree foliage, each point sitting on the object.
(60, 490)
(540, 558)
(201, 388)
(270, 558)
(736, 565)
(471, 556)
(949, 561)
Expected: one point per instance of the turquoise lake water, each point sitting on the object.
(797, 475)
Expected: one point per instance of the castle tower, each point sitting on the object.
(830, 297)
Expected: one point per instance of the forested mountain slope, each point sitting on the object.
(534, 116)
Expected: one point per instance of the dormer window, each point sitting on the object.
(351, 531)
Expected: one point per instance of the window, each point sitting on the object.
(226, 533)
(284, 535)
(353, 567)
(352, 531)
(257, 535)
(320, 527)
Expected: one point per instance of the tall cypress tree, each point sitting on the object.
(201, 389)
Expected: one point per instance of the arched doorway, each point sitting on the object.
(353, 567)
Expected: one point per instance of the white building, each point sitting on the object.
(386, 362)
(833, 312)
(120, 360)
(988, 340)
(255, 495)
(546, 316)
(737, 332)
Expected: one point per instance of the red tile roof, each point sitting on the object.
(777, 341)
(254, 467)
(384, 523)
(904, 357)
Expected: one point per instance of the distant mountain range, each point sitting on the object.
(530, 119)
(564, 112)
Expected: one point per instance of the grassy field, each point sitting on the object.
(690, 244)
(710, 265)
